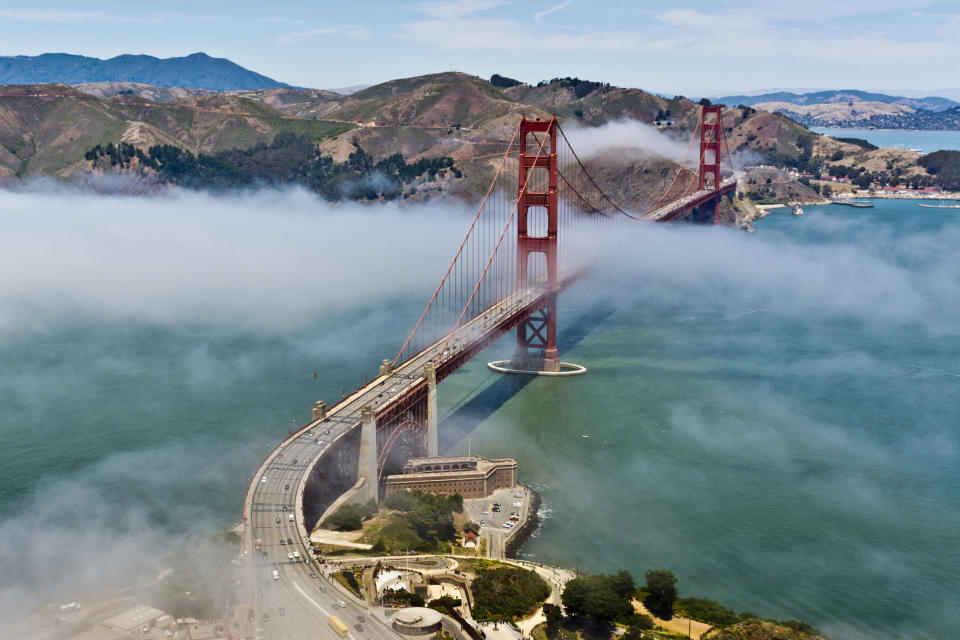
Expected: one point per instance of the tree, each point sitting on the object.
(622, 584)
(554, 616)
(661, 591)
(863, 180)
(599, 598)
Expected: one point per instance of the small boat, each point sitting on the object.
(584, 436)
(797, 210)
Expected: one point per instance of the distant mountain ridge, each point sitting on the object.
(931, 103)
(195, 71)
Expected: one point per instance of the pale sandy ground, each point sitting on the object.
(339, 538)
(676, 624)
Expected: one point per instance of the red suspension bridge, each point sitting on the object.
(524, 246)
(521, 250)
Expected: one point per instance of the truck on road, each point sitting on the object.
(338, 627)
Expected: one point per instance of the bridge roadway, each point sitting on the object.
(677, 207)
(277, 488)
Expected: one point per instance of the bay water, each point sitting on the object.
(771, 416)
(923, 141)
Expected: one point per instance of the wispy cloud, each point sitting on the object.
(509, 35)
(538, 16)
(457, 9)
(301, 36)
(66, 15)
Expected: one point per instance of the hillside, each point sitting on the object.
(47, 129)
(148, 91)
(931, 103)
(835, 113)
(197, 70)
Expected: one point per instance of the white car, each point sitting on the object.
(343, 605)
(289, 556)
(263, 480)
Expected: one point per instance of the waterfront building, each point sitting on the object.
(470, 476)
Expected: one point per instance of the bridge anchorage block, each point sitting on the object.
(386, 367)
(319, 411)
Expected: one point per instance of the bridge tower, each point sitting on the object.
(537, 335)
(711, 129)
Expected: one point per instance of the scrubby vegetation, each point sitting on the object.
(860, 142)
(710, 611)
(423, 522)
(507, 593)
(350, 517)
(289, 159)
(765, 630)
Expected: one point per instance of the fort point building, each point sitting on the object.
(470, 476)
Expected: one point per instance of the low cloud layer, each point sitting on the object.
(267, 259)
(628, 137)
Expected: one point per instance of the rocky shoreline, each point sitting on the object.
(522, 533)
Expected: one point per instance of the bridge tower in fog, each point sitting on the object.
(537, 334)
(711, 129)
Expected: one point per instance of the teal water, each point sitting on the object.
(924, 141)
(774, 417)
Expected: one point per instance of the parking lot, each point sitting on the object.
(513, 503)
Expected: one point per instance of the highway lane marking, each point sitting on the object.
(317, 605)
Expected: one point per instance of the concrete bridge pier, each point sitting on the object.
(319, 411)
(432, 439)
(367, 464)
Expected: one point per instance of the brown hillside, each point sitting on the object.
(154, 94)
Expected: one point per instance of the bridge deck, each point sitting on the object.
(677, 207)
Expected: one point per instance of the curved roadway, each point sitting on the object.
(276, 492)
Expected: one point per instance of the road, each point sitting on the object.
(276, 491)
(668, 211)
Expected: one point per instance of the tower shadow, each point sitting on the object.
(495, 395)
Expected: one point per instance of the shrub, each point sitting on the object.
(503, 592)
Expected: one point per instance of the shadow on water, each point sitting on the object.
(496, 394)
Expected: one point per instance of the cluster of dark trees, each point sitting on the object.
(602, 598)
(607, 598)
(945, 168)
(503, 82)
(289, 159)
(507, 593)
(580, 87)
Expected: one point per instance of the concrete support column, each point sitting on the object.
(367, 465)
(432, 438)
(319, 411)
(386, 367)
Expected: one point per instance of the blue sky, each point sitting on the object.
(688, 47)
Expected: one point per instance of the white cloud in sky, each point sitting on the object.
(445, 9)
(68, 15)
(301, 36)
(538, 16)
